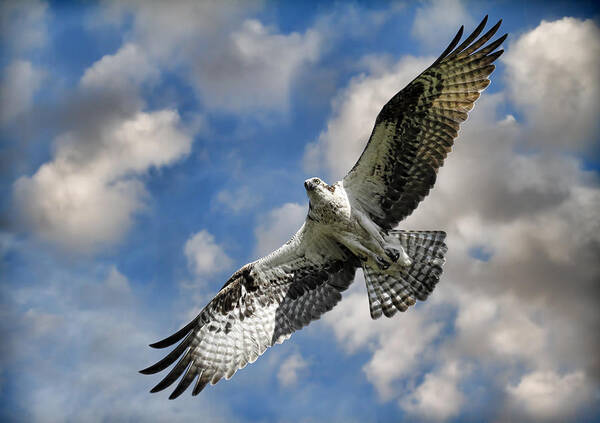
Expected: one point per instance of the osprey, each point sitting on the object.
(350, 224)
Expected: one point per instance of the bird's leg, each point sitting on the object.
(387, 246)
(370, 227)
(362, 252)
(383, 248)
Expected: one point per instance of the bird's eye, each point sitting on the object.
(316, 181)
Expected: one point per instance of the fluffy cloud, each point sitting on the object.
(165, 29)
(350, 319)
(394, 357)
(499, 328)
(553, 75)
(20, 82)
(545, 395)
(204, 256)
(235, 63)
(398, 349)
(87, 195)
(254, 69)
(278, 226)
(534, 214)
(128, 67)
(289, 370)
(437, 21)
(438, 397)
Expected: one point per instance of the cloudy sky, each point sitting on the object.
(148, 150)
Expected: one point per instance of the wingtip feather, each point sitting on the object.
(495, 27)
(146, 371)
(200, 385)
(481, 25)
(170, 340)
(452, 44)
(155, 390)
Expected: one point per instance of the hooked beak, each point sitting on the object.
(308, 185)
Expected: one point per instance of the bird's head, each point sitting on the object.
(317, 190)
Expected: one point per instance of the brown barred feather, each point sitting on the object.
(398, 288)
(424, 116)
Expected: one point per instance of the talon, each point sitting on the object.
(383, 265)
(393, 254)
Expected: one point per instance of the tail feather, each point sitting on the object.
(392, 291)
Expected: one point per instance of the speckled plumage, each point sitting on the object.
(349, 225)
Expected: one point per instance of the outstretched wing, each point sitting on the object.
(261, 304)
(415, 130)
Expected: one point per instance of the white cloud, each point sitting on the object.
(20, 81)
(399, 347)
(400, 351)
(438, 20)
(546, 395)
(553, 75)
(166, 29)
(128, 67)
(500, 328)
(88, 194)
(204, 256)
(289, 370)
(254, 69)
(23, 24)
(278, 226)
(350, 319)
(438, 397)
(235, 63)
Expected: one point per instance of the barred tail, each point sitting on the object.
(397, 288)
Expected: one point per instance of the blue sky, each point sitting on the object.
(150, 150)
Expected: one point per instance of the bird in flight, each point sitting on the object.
(350, 225)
